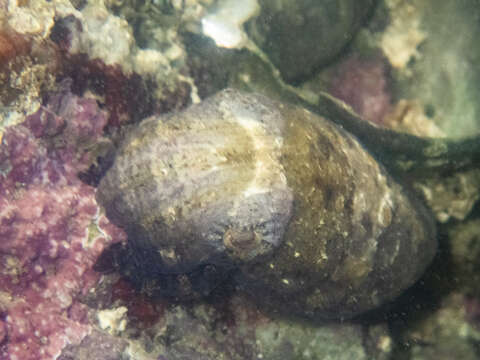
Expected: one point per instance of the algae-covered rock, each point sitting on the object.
(446, 333)
(283, 340)
(301, 36)
(465, 249)
(238, 331)
(434, 65)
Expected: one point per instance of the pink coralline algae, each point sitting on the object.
(363, 84)
(51, 229)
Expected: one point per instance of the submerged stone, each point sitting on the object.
(300, 36)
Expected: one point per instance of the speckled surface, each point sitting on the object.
(77, 75)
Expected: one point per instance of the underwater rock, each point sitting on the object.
(432, 65)
(225, 25)
(370, 74)
(26, 71)
(300, 36)
(97, 345)
(451, 196)
(233, 328)
(464, 242)
(314, 223)
(445, 333)
(51, 228)
(101, 53)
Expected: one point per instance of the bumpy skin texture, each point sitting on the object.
(204, 186)
(311, 220)
(356, 239)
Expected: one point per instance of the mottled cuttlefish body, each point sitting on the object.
(311, 222)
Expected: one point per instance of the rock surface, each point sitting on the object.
(51, 229)
(301, 36)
